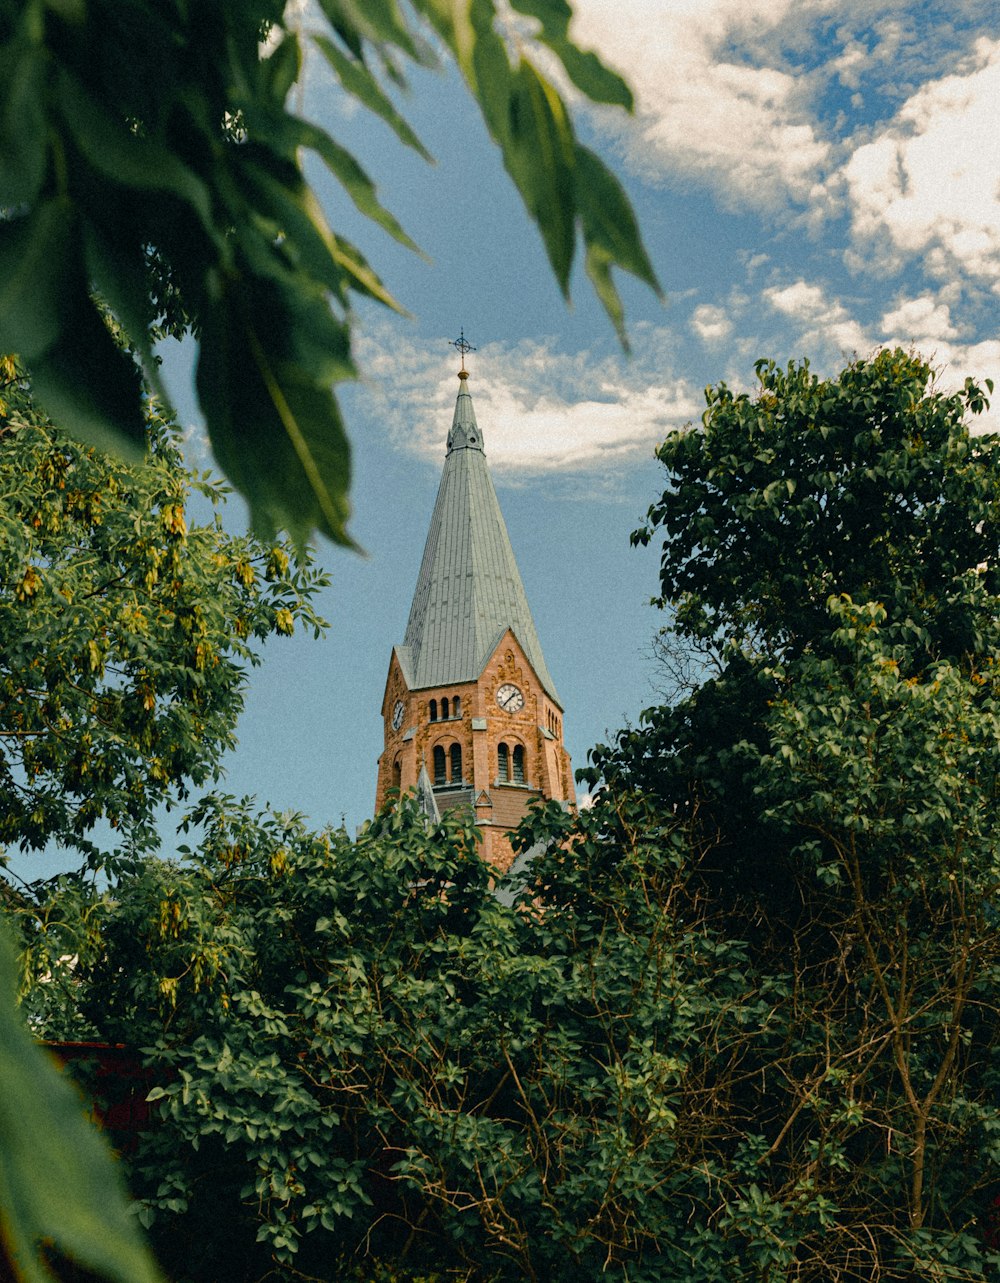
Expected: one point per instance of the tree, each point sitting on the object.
(363, 1053)
(148, 153)
(834, 545)
(125, 635)
(125, 639)
(740, 1021)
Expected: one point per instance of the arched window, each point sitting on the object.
(456, 763)
(518, 764)
(444, 708)
(434, 710)
(440, 776)
(397, 774)
(456, 706)
(503, 763)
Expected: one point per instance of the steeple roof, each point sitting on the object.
(469, 590)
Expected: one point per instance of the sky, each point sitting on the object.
(814, 178)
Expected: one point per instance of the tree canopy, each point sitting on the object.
(738, 1020)
(125, 635)
(151, 163)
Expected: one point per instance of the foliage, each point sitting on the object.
(149, 152)
(59, 1189)
(867, 484)
(832, 547)
(361, 1049)
(124, 634)
(740, 1022)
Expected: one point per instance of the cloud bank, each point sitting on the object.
(540, 410)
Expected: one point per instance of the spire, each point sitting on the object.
(469, 590)
(464, 434)
(425, 796)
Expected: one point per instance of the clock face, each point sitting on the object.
(397, 715)
(510, 699)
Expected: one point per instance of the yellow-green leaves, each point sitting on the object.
(124, 636)
(58, 1181)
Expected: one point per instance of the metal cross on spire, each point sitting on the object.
(463, 346)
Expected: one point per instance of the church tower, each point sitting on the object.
(472, 718)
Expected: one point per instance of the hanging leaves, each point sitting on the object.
(149, 159)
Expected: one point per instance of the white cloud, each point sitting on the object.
(921, 321)
(823, 327)
(734, 95)
(928, 185)
(925, 324)
(708, 106)
(540, 410)
(711, 324)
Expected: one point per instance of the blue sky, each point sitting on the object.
(814, 178)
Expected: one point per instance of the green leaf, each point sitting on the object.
(89, 386)
(122, 283)
(36, 254)
(352, 177)
(607, 217)
(305, 237)
(281, 70)
(273, 421)
(458, 23)
(583, 67)
(358, 81)
(378, 21)
(489, 77)
(23, 142)
(363, 279)
(590, 75)
(539, 154)
(127, 158)
(58, 1181)
(598, 263)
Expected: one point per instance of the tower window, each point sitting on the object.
(444, 708)
(456, 763)
(456, 706)
(397, 774)
(518, 764)
(433, 706)
(440, 775)
(503, 763)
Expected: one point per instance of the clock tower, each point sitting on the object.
(471, 714)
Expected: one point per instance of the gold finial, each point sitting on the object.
(463, 346)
